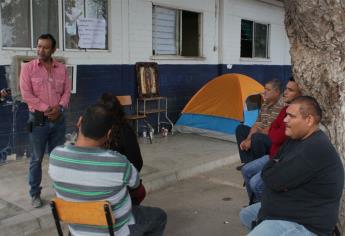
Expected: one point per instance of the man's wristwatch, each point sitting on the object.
(61, 109)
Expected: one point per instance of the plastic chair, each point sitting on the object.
(96, 213)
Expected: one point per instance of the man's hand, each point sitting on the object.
(245, 144)
(53, 113)
(3, 93)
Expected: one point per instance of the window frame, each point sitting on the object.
(33, 41)
(83, 49)
(72, 75)
(178, 39)
(61, 30)
(268, 41)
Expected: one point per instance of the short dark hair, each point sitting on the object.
(292, 79)
(309, 106)
(276, 84)
(50, 37)
(96, 122)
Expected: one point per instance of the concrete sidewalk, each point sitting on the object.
(166, 161)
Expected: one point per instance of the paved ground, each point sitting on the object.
(166, 161)
(206, 204)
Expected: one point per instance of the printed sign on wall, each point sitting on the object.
(91, 33)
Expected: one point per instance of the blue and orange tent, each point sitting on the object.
(220, 106)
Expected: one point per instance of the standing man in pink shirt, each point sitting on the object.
(46, 89)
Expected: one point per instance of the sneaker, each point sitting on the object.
(36, 201)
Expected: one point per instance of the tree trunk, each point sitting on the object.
(316, 31)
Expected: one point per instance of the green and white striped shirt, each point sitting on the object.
(90, 174)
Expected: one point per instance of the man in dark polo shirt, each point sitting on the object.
(304, 182)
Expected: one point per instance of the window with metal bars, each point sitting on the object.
(176, 32)
(254, 39)
(22, 21)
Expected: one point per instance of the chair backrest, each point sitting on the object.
(86, 213)
(125, 100)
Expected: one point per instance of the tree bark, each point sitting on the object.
(316, 31)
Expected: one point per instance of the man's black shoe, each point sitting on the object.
(239, 168)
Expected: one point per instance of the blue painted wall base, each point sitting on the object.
(177, 82)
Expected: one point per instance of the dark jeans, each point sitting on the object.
(260, 144)
(53, 134)
(149, 221)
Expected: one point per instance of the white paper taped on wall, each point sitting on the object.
(91, 33)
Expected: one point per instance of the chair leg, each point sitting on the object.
(136, 127)
(149, 133)
(148, 128)
(109, 220)
(56, 218)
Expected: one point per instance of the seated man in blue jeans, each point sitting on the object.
(88, 172)
(252, 171)
(253, 142)
(303, 183)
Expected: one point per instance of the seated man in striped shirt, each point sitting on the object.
(88, 172)
(254, 142)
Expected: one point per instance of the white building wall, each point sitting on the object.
(141, 31)
(268, 12)
(130, 33)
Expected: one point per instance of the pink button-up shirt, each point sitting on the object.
(41, 91)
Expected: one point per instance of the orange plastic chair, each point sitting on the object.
(96, 213)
